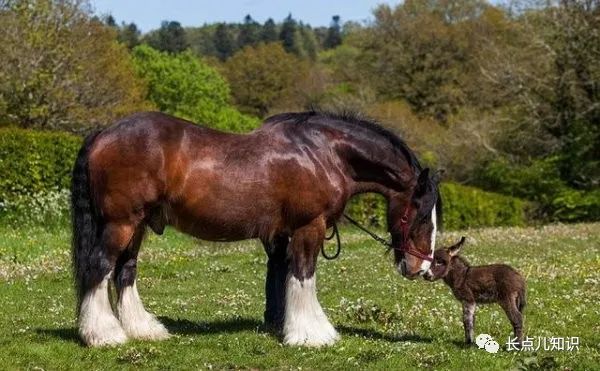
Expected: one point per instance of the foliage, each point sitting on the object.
(184, 86)
(170, 38)
(334, 33)
(468, 207)
(62, 69)
(540, 181)
(50, 209)
(261, 76)
(420, 51)
(463, 207)
(35, 163)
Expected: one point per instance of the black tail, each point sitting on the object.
(86, 222)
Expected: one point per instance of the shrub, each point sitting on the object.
(464, 207)
(49, 209)
(35, 162)
(468, 207)
(540, 181)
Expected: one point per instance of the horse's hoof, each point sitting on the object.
(146, 328)
(106, 332)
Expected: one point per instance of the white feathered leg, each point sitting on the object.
(136, 321)
(98, 325)
(305, 322)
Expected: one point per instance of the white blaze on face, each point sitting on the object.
(425, 265)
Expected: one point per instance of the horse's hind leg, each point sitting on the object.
(136, 321)
(97, 323)
(305, 322)
(277, 272)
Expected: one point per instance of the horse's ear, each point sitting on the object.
(455, 249)
(438, 175)
(422, 183)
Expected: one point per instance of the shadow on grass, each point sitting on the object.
(187, 327)
(175, 326)
(67, 334)
(371, 334)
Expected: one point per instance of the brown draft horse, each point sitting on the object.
(284, 183)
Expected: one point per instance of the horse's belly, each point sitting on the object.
(216, 220)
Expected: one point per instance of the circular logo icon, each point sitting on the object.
(492, 346)
(481, 339)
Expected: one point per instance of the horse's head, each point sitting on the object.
(413, 225)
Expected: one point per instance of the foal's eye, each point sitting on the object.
(439, 262)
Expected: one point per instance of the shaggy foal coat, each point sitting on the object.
(495, 283)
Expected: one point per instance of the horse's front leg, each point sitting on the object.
(277, 272)
(305, 322)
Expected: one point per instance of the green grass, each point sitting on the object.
(211, 298)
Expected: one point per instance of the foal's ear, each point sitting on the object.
(455, 249)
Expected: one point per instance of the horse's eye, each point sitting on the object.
(439, 262)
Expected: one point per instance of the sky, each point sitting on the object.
(148, 14)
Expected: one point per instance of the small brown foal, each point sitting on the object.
(495, 283)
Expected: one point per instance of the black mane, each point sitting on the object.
(353, 118)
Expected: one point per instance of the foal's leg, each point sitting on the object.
(277, 272)
(305, 322)
(514, 316)
(97, 323)
(468, 321)
(136, 322)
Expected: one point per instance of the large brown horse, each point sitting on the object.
(284, 183)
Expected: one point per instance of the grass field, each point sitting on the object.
(210, 296)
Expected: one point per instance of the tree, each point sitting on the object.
(288, 35)
(170, 37)
(249, 32)
(182, 85)
(223, 41)
(334, 33)
(261, 76)
(269, 31)
(418, 53)
(62, 69)
(129, 35)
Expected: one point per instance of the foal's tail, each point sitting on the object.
(521, 300)
(86, 223)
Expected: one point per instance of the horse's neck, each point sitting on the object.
(378, 169)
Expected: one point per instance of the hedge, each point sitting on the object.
(33, 162)
(463, 207)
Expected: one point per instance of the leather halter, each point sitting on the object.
(405, 246)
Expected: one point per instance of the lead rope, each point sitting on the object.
(336, 233)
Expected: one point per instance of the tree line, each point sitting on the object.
(504, 97)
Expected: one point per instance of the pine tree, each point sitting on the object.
(249, 32)
(288, 34)
(269, 31)
(170, 38)
(334, 33)
(224, 43)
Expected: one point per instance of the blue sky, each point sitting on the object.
(149, 13)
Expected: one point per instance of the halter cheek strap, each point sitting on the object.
(405, 246)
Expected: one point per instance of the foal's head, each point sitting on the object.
(442, 261)
(413, 225)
